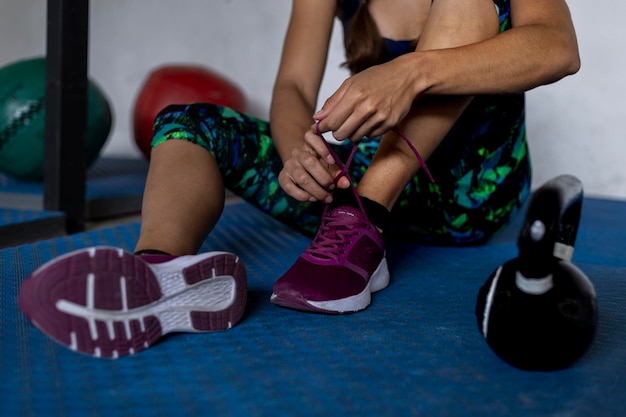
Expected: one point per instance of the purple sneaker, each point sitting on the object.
(345, 263)
(337, 273)
(107, 302)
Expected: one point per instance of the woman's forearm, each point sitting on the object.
(290, 116)
(513, 61)
(300, 73)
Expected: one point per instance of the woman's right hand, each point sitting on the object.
(307, 176)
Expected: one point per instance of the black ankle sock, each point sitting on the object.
(376, 212)
(151, 252)
(343, 197)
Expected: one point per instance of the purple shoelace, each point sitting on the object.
(335, 231)
(344, 167)
(333, 234)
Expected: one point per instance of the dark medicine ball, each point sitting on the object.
(22, 119)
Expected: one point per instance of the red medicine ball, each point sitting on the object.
(179, 84)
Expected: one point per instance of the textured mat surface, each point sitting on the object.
(12, 216)
(114, 187)
(415, 351)
(22, 226)
(107, 176)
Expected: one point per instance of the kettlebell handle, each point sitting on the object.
(551, 225)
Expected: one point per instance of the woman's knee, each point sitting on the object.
(187, 114)
(452, 23)
(189, 122)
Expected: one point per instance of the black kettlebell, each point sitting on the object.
(538, 311)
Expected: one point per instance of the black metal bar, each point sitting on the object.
(66, 110)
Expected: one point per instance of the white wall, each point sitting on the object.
(574, 126)
(577, 125)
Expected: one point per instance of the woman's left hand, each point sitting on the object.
(369, 103)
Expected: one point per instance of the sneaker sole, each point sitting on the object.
(293, 299)
(108, 303)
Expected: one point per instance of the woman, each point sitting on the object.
(442, 80)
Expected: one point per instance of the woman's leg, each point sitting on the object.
(183, 198)
(198, 151)
(346, 261)
(450, 23)
(114, 303)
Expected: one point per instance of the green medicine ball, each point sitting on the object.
(22, 119)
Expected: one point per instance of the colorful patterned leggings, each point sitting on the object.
(472, 199)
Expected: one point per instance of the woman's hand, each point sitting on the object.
(369, 103)
(308, 176)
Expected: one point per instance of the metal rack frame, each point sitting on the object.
(66, 110)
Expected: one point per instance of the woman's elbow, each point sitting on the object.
(563, 61)
(570, 56)
(571, 60)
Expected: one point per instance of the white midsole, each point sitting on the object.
(378, 281)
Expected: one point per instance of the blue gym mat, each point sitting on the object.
(23, 226)
(114, 187)
(415, 351)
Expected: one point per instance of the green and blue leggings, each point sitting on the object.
(482, 170)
